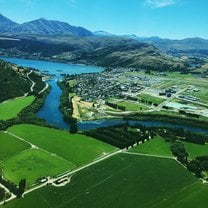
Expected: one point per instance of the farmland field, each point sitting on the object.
(149, 98)
(33, 164)
(11, 108)
(131, 106)
(194, 196)
(195, 150)
(121, 181)
(76, 148)
(10, 146)
(156, 146)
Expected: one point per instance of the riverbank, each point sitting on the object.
(176, 119)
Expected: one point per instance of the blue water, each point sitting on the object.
(54, 68)
(86, 125)
(50, 110)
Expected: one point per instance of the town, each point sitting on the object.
(126, 91)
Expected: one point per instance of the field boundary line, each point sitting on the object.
(39, 148)
(50, 181)
(149, 155)
(173, 195)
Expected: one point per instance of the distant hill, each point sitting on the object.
(6, 24)
(102, 33)
(188, 46)
(55, 40)
(42, 27)
(95, 50)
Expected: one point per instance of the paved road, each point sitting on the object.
(12, 195)
(44, 89)
(158, 108)
(33, 83)
(52, 180)
(149, 155)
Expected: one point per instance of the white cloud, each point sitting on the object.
(159, 3)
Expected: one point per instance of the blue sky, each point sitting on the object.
(165, 18)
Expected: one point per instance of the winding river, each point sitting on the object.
(50, 110)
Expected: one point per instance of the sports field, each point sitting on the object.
(121, 181)
(33, 164)
(76, 148)
(11, 108)
(157, 146)
(10, 146)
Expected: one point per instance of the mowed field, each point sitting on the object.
(132, 106)
(156, 146)
(122, 181)
(50, 152)
(195, 150)
(150, 98)
(194, 196)
(10, 146)
(76, 148)
(11, 108)
(33, 164)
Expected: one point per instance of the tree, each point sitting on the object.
(2, 193)
(179, 151)
(22, 185)
(73, 126)
(194, 166)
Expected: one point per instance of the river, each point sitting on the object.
(50, 110)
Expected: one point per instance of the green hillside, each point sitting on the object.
(13, 83)
(102, 51)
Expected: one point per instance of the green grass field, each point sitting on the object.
(156, 146)
(194, 196)
(76, 148)
(11, 108)
(10, 146)
(121, 181)
(150, 98)
(196, 150)
(131, 106)
(33, 164)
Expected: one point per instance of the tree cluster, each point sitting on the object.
(39, 84)
(179, 151)
(2, 194)
(12, 83)
(120, 136)
(198, 165)
(17, 190)
(116, 106)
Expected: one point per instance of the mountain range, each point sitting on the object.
(41, 26)
(6, 24)
(55, 40)
(188, 46)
